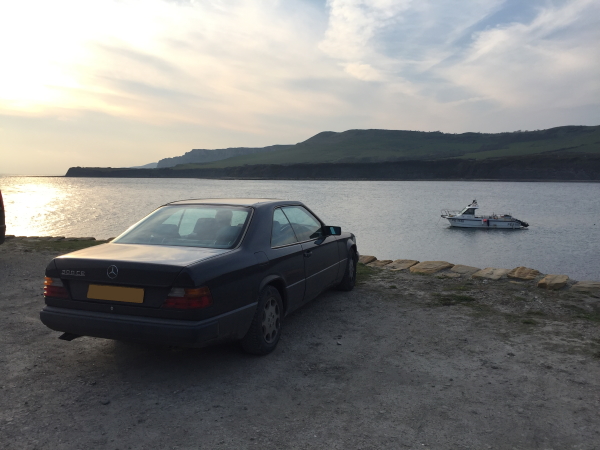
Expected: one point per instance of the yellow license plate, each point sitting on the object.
(115, 293)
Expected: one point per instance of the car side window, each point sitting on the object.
(305, 225)
(282, 233)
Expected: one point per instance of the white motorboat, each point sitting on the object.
(468, 218)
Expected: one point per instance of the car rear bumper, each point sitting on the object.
(229, 326)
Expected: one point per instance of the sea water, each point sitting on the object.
(391, 219)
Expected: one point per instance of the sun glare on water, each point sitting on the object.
(33, 207)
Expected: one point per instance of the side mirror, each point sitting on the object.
(331, 231)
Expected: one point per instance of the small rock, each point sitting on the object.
(105, 401)
(465, 270)
(586, 286)
(366, 259)
(523, 273)
(490, 273)
(380, 263)
(429, 267)
(553, 282)
(450, 275)
(401, 264)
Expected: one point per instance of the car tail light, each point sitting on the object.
(180, 298)
(53, 287)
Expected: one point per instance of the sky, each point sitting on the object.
(120, 83)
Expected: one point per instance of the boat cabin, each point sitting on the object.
(470, 210)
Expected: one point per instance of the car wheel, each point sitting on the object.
(349, 280)
(265, 330)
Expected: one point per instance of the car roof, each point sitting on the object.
(231, 201)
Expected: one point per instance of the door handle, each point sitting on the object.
(308, 253)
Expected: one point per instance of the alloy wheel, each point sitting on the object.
(271, 320)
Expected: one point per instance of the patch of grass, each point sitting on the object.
(581, 313)
(454, 299)
(392, 286)
(59, 246)
(363, 273)
(457, 288)
(529, 322)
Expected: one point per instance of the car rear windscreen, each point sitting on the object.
(190, 226)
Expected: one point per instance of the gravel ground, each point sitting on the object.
(403, 361)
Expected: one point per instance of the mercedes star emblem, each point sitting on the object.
(112, 272)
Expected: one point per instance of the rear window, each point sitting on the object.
(190, 226)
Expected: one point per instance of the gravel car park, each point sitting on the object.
(198, 272)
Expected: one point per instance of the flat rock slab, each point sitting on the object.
(380, 263)
(491, 273)
(429, 267)
(586, 286)
(366, 259)
(464, 270)
(523, 273)
(401, 264)
(553, 282)
(450, 275)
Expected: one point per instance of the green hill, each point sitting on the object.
(369, 146)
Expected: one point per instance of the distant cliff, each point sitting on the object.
(199, 156)
(542, 167)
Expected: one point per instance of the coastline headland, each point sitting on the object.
(539, 167)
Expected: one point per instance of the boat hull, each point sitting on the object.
(479, 223)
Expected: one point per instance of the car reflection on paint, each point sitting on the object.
(198, 272)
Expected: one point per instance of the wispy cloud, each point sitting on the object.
(230, 72)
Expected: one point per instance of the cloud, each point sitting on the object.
(220, 73)
(551, 61)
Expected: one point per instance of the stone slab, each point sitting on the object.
(490, 273)
(449, 275)
(523, 273)
(553, 282)
(586, 286)
(429, 267)
(401, 264)
(464, 270)
(380, 263)
(366, 259)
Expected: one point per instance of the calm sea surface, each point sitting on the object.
(391, 219)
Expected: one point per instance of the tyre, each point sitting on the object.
(349, 280)
(265, 330)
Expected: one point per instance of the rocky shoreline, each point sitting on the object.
(445, 269)
(539, 167)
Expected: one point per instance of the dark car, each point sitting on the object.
(2, 220)
(197, 272)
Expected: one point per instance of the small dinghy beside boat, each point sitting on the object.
(467, 218)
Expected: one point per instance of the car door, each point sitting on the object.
(286, 258)
(321, 257)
